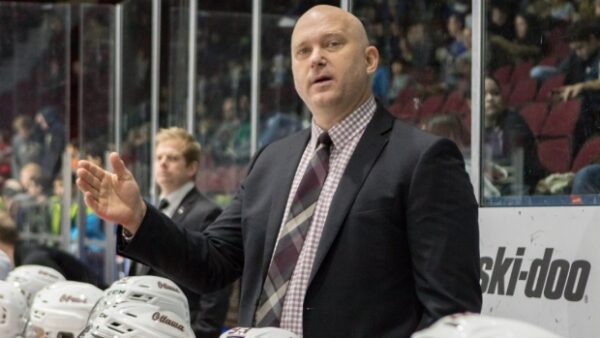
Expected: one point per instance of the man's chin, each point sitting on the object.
(323, 100)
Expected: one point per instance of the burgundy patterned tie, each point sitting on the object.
(291, 238)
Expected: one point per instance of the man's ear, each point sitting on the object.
(372, 58)
(192, 169)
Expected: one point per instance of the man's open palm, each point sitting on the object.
(115, 197)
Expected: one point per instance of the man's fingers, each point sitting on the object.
(86, 187)
(118, 165)
(92, 168)
(90, 201)
(88, 181)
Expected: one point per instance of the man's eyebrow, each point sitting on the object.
(333, 35)
(324, 36)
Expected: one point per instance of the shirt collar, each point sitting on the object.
(177, 196)
(342, 132)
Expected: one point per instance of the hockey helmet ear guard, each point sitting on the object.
(32, 278)
(61, 309)
(135, 319)
(154, 290)
(13, 310)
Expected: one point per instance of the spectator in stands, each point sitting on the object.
(463, 62)
(507, 140)
(52, 135)
(528, 43)
(582, 69)
(25, 148)
(279, 126)
(455, 25)
(501, 20)
(417, 47)
(452, 127)
(587, 179)
(25, 253)
(55, 207)
(454, 50)
(588, 9)
(555, 11)
(381, 81)
(12, 188)
(31, 178)
(31, 209)
(400, 78)
(583, 63)
(231, 142)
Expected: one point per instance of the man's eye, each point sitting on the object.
(302, 52)
(333, 44)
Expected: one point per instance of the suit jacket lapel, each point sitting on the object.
(181, 210)
(286, 169)
(365, 154)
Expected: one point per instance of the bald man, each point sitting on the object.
(360, 226)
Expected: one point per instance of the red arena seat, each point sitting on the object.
(561, 119)
(549, 85)
(588, 152)
(523, 93)
(535, 115)
(555, 154)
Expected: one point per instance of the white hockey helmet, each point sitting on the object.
(469, 325)
(153, 290)
(32, 278)
(61, 309)
(134, 319)
(5, 265)
(255, 332)
(13, 310)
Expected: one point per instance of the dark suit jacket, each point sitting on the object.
(400, 246)
(207, 310)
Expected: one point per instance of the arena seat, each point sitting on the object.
(431, 106)
(502, 74)
(405, 95)
(521, 71)
(550, 60)
(407, 112)
(550, 84)
(555, 154)
(588, 152)
(523, 93)
(453, 102)
(562, 119)
(535, 115)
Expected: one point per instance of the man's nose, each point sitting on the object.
(317, 58)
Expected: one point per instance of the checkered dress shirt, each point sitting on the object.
(345, 136)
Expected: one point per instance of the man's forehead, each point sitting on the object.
(170, 144)
(317, 33)
(306, 30)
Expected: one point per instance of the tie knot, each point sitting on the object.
(324, 139)
(163, 204)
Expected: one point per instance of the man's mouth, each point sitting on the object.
(322, 79)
